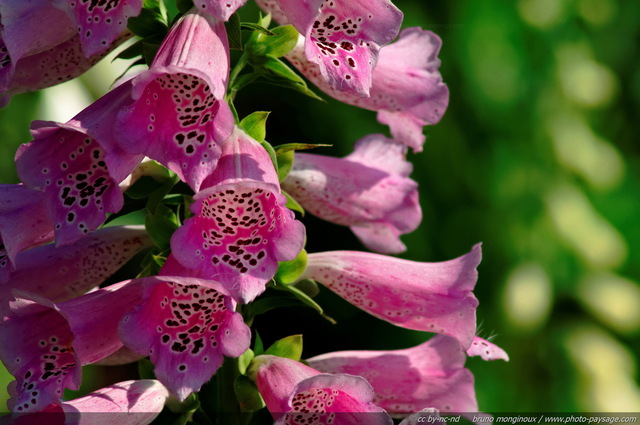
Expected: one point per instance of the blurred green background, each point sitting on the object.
(537, 157)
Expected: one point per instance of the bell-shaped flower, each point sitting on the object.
(298, 394)
(407, 89)
(178, 116)
(369, 191)
(241, 227)
(406, 381)
(186, 326)
(22, 223)
(125, 403)
(50, 343)
(78, 166)
(431, 297)
(74, 269)
(220, 9)
(486, 350)
(341, 38)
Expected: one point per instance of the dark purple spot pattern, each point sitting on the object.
(70, 168)
(233, 235)
(39, 356)
(100, 22)
(178, 122)
(186, 329)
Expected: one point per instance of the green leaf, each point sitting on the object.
(161, 225)
(272, 153)
(292, 204)
(131, 52)
(145, 369)
(289, 347)
(289, 271)
(308, 286)
(234, 32)
(280, 74)
(244, 80)
(149, 22)
(255, 27)
(244, 360)
(255, 125)
(265, 305)
(306, 299)
(258, 346)
(184, 5)
(280, 149)
(280, 42)
(247, 393)
(156, 197)
(285, 163)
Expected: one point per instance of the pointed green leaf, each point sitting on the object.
(160, 229)
(233, 32)
(306, 299)
(244, 80)
(145, 369)
(184, 5)
(258, 346)
(289, 347)
(289, 271)
(280, 42)
(131, 52)
(247, 393)
(255, 125)
(149, 22)
(244, 360)
(308, 286)
(285, 163)
(280, 149)
(272, 154)
(278, 73)
(292, 204)
(255, 27)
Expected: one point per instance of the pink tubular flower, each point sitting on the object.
(220, 9)
(342, 38)
(73, 269)
(186, 325)
(78, 166)
(405, 381)
(297, 394)
(178, 116)
(432, 297)
(407, 88)
(50, 343)
(241, 227)
(369, 191)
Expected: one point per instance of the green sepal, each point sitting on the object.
(255, 124)
(149, 22)
(152, 263)
(184, 5)
(261, 29)
(277, 44)
(308, 286)
(161, 225)
(276, 72)
(243, 81)
(289, 347)
(289, 271)
(286, 147)
(145, 369)
(247, 394)
(292, 204)
(244, 360)
(272, 153)
(258, 346)
(304, 298)
(234, 32)
(157, 196)
(131, 52)
(285, 163)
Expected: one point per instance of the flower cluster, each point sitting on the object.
(220, 227)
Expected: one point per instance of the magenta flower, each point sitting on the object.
(342, 38)
(486, 350)
(22, 224)
(73, 269)
(186, 325)
(178, 116)
(127, 403)
(241, 227)
(432, 297)
(78, 166)
(406, 381)
(407, 88)
(369, 191)
(297, 394)
(50, 343)
(220, 9)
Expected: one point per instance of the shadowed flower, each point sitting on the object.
(186, 325)
(342, 38)
(241, 227)
(432, 297)
(78, 166)
(407, 88)
(369, 191)
(178, 116)
(220, 9)
(297, 394)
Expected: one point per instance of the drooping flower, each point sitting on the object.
(298, 394)
(486, 350)
(50, 343)
(186, 326)
(178, 116)
(74, 269)
(78, 166)
(22, 224)
(407, 89)
(342, 38)
(431, 374)
(241, 227)
(369, 191)
(125, 403)
(220, 9)
(432, 297)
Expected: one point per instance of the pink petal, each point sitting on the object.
(432, 297)
(186, 326)
(178, 116)
(220, 9)
(368, 190)
(405, 381)
(486, 350)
